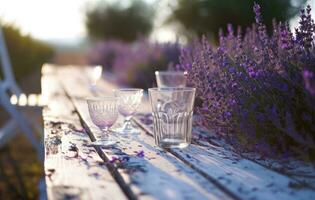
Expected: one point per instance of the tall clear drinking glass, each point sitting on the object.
(171, 78)
(104, 113)
(129, 100)
(172, 114)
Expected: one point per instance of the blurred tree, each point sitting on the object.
(199, 17)
(119, 21)
(26, 53)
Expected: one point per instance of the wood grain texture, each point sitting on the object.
(156, 175)
(73, 170)
(243, 177)
(202, 171)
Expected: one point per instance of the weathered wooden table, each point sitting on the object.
(135, 168)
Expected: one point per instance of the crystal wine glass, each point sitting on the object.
(104, 113)
(129, 99)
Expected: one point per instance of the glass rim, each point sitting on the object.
(104, 98)
(172, 89)
(171, 72)
(128, 89)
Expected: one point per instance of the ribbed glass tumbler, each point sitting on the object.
(172, 110)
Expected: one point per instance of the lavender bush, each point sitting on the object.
(105, 53)
(258, 91)
(134, 64)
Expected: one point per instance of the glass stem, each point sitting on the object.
(105, 133)
(127, 123)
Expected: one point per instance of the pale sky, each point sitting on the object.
(64, 19)
(61, 20)
(46, 19)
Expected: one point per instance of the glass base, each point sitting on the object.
(103, 143)
(172, 143)
(125, 131)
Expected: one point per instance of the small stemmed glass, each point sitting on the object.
(104, 113)
(171, 78)
(129, 99)
(95, 74)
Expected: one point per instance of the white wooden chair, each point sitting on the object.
(8, 87)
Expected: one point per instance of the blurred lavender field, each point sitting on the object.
(133, 65)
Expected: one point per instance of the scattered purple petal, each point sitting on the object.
(140, 154)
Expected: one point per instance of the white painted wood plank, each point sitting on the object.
(157, 175)
(301, 172)
(73, 170)
(247, 179)
(298, 170)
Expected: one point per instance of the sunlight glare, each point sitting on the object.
(22, 100)
(45, 19)
(32, 100)
(14, 99)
